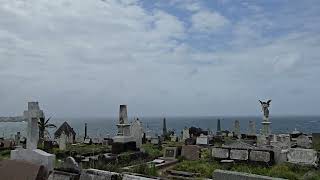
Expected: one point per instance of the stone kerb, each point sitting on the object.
(302, 156)
(35, 156)
(220, 153)
(95, 174)
(231, 175)
(260, 156)
(239, 154)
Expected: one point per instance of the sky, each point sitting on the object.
(83, 58)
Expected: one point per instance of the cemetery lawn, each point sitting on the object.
(289, 171)
(84, 149)
(152, 151)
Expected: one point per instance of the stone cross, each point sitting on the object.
(33, 114)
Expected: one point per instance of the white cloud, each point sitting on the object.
(87, 57)
(208, 22)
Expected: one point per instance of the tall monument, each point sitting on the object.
(266, 130)
(218, 127)
(124, 140)
(164, 129)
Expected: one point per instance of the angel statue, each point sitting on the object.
(265, 106)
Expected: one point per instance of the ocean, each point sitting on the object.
(106, 127)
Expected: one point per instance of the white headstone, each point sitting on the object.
(185, 134)
(137, 132)
(202, 140)
(32, 134)
(63, 141)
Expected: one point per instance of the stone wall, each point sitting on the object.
(231, 175)
(237, 154)
(243, 154)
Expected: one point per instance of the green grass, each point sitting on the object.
(152, 150)
(205, 168)
(5, 154)
(88, 149)
(288, 171)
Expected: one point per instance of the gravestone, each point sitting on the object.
(237, 154)
(236, 128)
(16, 170)
(70, 165)
(170, 152)
(185, 134)
(302, 156)
(220, 153)
(252, 128)
(303, 141)
(95, 174)
(32, 154)
(63, 141)
(191, 152)
(137, 132)
(123, 141)
(260, 156)
(33, 114)
(202, 140)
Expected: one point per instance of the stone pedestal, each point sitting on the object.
(266, 130)
(35, 156)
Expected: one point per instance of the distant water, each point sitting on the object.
(102, 127)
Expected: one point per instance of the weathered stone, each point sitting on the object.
(32, 134)
(35, 156)
(303, 141)
(170, 152)
(63, 141)
(239, 145)
(252, 128)
(232, 175)
(221, 153)
(185, 134)
(135, 177)
(237, 128)
(62, 175)
(302, 156)
(95, 174)
(15, 170)
(237, 154)
(71, 165)
(136, 132)
(260, 156)
(202, 140)
(191, 152)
